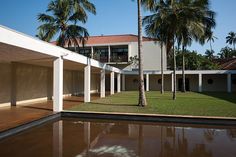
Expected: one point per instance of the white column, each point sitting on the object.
(87, 81)
(13, 83)
(58, 85)
(109, 53)
(58, 139)
(118, 82)
(112, 83)
(102, 83)
(199, 83)
(123, 82)
(92, 53)
(229, 83)
(172, 82)
(147, 82)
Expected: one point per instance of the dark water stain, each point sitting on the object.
(90, 138)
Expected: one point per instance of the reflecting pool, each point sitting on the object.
(90, 138)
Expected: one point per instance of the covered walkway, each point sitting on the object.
(13, 116)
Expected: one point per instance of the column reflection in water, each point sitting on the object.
(87, 138)
(58, 139)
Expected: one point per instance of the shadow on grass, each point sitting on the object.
(71, 100)
(112, 104)
(230, 97)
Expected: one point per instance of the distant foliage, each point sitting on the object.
(193, 61)
(134, 61)
(226, 53)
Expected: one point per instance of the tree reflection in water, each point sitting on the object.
(73, 138)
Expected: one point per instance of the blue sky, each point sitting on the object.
(113, 17)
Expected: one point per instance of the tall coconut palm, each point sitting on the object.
(231, 39)
(142, 97)
(210, 38)
(184, 20)
(62, 19)
(157, 33)
(195, 19)
(156, 27)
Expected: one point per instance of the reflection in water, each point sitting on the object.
(73, 138)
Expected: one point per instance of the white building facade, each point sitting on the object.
(32, 70)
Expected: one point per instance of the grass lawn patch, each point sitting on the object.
(196, 104)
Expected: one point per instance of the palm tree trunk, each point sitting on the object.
(183, 69)
(142, 97)
(210, 46)
(162, 70)
(174, 71)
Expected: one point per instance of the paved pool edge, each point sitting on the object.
(20, 128)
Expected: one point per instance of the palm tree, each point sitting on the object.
(142, 97)
(183, 21)
(195, 19)
(209, 54)
(157, 33)
(62, 19)
(231, 39)
(210, 38)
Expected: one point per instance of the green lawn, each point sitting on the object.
(205, 104)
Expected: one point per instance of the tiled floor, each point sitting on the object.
(17, 115)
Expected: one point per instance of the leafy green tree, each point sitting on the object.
(194, 61)
(226, 53)
(62, 19)
(231, 39)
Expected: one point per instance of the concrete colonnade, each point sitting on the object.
(58, 83)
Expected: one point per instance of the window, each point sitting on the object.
(119, 53)
(101, 54)
(86, 51)
(234, 81)
(210, 81)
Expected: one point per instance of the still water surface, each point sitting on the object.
(83, 138)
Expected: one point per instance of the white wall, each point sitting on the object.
(219, 83)
(151, 55)
(36, 82)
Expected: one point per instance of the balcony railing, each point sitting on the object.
(123, 58)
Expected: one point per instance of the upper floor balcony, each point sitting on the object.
(106, 54)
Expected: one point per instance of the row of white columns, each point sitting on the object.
(58, 83)
(229, 82)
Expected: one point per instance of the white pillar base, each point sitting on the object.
(102, 83)
(172, 82)
(58, 85)
(112, 83)
(147, 82)
(87, 81)
(118, 83)
(199, 83)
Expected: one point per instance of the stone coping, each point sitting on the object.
(161, 118)
(152, 117)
